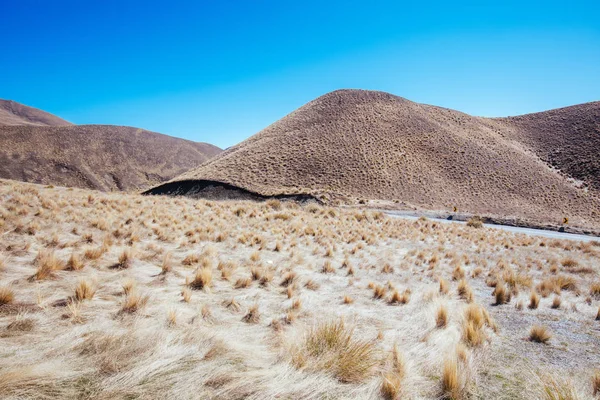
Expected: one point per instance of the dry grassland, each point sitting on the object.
(118, 296)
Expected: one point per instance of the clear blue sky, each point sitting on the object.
(220, 71)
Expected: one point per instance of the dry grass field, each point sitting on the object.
(358, 145)
(120, 296)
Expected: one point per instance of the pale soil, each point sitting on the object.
(54, 346)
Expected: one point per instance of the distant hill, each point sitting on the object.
(355, 144)
(38, 147)
(13, 113)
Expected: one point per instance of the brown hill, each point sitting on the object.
(373, 145)
(100, 157)
(13, 113)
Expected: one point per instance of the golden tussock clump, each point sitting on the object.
(232, 305)
(84, 290)
(539, 334)
(7, 295)
(75, 262)
(399, 298)
(378, 291)
(391, 386)
(48, 263)
(444, 287)
(556, 302)
(186, 295)
(451, 385)
(441, 317)
(464, 291)
(242, 283)
(328, 268)
(125, 260)
(253, 315)
(534, 300)
(595, 289)
(331, 347)
(134, 302)
(288, 279)
(202, 279)
(311, 285)
(502, 294)
(596, 383)
(475, 318)
(475, 222)
(557, 389)
(348, 300)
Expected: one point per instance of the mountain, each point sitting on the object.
(38, 147)
(354, 145)
(13, 113)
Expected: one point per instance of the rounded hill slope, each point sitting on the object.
(13, 113)
(102, 157)
(355, 144)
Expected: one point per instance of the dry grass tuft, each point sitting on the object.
(84, 290)
(451, 382)
(595, 289)
(186, 293)
(327, 268)
(399, 298)
(331, 346)
(556, 302)
(596, 383)
(311, 285)
(125, 259)
(379, 291)
(253, 315)
(242, 283)
(464, 291)
(558, 389)
(534, 300)
(441, 317)
(444, 286)
(539, 334)
(75, 262)
(502, 294)
(134, 302)
(348, 299)
(391, 387)
(202, 279)
(48, 264)
(7, 295)
(289, 278)
(232, 305)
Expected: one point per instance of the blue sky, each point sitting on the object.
(221, 71)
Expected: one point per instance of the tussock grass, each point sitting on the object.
(84, 290)
(253, 315)
(596, 383)
(242, 283)
(475, 222)
(391, 385)
(441, 317)
(202, 279)
(558, 389)
(134, 302)
(7, 295)
(331, 347)
(350, 300)
(502, 294)
(451, 385)
(444, 286)
(464, 291)
(595, 290)
(556, 302)
(327, 268)
(75, 262)
(48, 263)
(534, 300)
(539, 334)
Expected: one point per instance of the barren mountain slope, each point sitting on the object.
(374, 145)
(566, 138)
(96, 156)
(13, 113)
